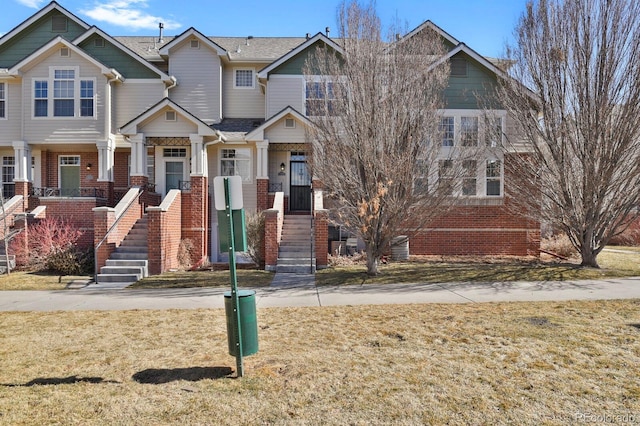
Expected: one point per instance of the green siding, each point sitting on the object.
(462, 92)
(35, 36)
(113, 57)
(295, 65)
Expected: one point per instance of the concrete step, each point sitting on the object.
(132, 249)
(122, 270)
(122, 263)
(295, 261)
(128, 256)
(118, 278)
(293, 254)
(291, 269)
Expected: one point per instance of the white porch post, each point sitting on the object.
(105, 160)
(22, 153)
(138, 155)
(198, 156)
(263, 159)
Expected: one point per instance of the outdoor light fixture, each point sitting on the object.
(282, 167)
(88, 166)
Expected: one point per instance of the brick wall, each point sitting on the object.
(195, 205)
(77, 211)
(263, 194)
(273, 221)
(164, 227)
(321, 223)
(11, 208)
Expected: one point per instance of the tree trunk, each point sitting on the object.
(589, 257)
(372, 262)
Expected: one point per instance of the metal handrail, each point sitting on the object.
(68, 192)
(113, 226)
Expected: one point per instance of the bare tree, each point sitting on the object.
(580, 58)
(374, 103)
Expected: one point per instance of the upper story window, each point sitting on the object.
(469, 131)
(447, 129)
(243, 78)
(236, 162)
(494, 177)
(71, 96)
(493, 132)
(3, 101)
(321, 97)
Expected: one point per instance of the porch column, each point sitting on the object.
(198, 156)
(22, 177)
(262, 177)
(195, 216)
(138, 161)
(105, 160)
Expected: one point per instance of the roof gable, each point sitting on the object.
(116, 55)
(131, 128)
(191, 33)
(50, 22)
(450, 41)
(298, 54)
(258, 133)
(56, 44)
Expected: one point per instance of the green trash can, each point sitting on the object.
(248, 322)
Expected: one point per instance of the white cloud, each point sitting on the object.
(127, 13)
(31, 3)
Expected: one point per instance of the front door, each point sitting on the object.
(174, 172)
(69, 175)
(300, 183)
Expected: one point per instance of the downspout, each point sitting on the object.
(174, 83)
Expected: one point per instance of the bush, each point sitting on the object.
(51, 246)
(255, 237)
(184, 253)
(559, 244)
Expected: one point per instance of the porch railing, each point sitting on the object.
(275, 186)
(69, 192)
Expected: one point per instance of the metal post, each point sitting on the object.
(234, 281)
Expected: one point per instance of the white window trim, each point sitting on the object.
(253, 78)
(76, 95)
(249, 180)
(5, 100)
(67, 165)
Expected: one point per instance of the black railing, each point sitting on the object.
(275, 186)
(69, 192)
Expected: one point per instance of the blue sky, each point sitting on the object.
(484, 25)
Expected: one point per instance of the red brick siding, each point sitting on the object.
(164, 236)
(77, 211)
(263, 194)
(321, 224)
(195, 205)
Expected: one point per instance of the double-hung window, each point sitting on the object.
(447, 130)
(71, 96)
(445, 176)
(8, 174)
(494, 177)
(236, 162)
(3, 101)
(493, 132)
(321, 97)
(469, 131)
(469, 180)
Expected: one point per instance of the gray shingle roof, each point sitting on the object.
(256, 49)
(236, 128)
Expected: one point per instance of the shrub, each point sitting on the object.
(184, 253)
(51, 246)
(255, 237)
(559, 244)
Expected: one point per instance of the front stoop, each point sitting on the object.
(295, 252)
(129, 262)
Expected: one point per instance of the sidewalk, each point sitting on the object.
(307, 294)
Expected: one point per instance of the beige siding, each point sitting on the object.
(199, 81)
(277, 133)
(241, 102)
(133, 97)
(64, 130)
(159, 126)
(249, 190)
(284, 91)
(11, 127)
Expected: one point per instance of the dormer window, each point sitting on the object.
(243, 78)
(59, 24)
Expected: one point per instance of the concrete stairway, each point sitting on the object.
(294, 255)
(129, 262)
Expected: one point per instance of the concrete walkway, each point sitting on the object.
(301, 291)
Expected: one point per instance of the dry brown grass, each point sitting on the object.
(507, 363)
(21, 280)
